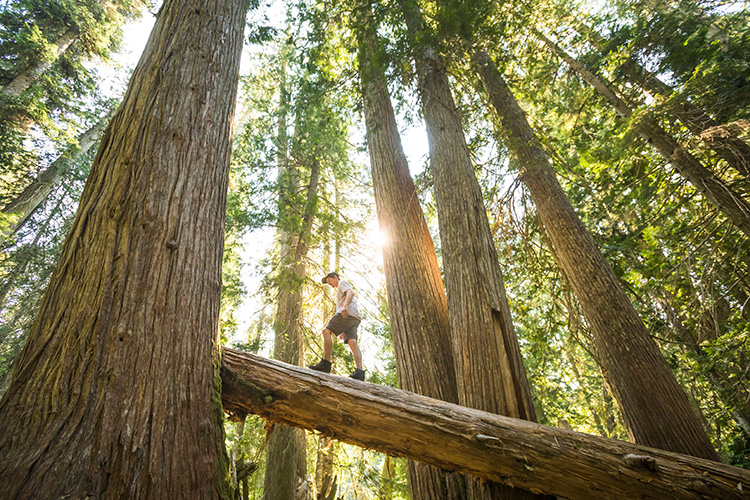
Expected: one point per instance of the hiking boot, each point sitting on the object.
(321, 366)
(358, 374)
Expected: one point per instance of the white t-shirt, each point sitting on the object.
(352, 308)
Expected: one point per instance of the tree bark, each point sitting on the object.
(31, 74)
(282, 458)
(729, 147)
(731, 204)
(121, 368)
(655, 409)
(416, 297)
(527, 455)
(489, 367)
(325, 482)
(36, 193)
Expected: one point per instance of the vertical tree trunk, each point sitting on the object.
(416, 297)
(285, 464)
(325, 483)
(120, 371)
(654, 407)
(489, 368)
(36, 193)
(731, 204)
(729, 147)
(31, 74)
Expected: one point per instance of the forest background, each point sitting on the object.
(301, 191)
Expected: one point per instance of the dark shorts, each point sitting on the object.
(346, 326)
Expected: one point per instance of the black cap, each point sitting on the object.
(329, 275)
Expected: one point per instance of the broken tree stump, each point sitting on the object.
(515, 452)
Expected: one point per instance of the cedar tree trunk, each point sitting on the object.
(31, 74)
(656, 411)
(416, 297)
(730, 203)
(283, 452)
(116, 393)
(729, 147)
(489, 368)
(36, 193)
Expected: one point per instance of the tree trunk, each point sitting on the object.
(489, 367)
(31, 74)
(729, 147)
(416, 297)
(324, 480)
(527, 455)
(731, 204)
(654, 406)
(734, 394)
(36, 193)
(121, 368)
(282, 452)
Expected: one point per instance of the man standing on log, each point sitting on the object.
(344, 324)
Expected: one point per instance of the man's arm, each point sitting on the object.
(348, 296)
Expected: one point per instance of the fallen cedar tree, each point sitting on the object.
(523, 454)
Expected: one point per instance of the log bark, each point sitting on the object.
(654, 406)
(416, 296)
(117, 387)
(512, 451)
(724, 198)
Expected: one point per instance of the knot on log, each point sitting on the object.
(642, 461)
(487, 440)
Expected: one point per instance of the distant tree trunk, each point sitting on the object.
(656, 411)
(734, 394)
(36, 193)
(731, 204)
(285, 464)
(325, 483)
(28, 76)
(121, 368)
(729, 147)
(416, 297)
(539, 458)
(489, 367)
(385, 490)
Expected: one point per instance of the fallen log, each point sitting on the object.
(515, 452)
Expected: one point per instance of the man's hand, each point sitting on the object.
(344, 313)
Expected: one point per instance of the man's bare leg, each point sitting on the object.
(356, 353)
(327, 344)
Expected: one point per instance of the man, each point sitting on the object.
(344, 324)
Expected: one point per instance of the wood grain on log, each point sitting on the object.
(516, 452)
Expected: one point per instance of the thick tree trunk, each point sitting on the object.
(31, 74)
(121, 368)
(654, 406)
(36, 193)
(527, 455)
(416, 297)
(489, 367)
(729, 147)
(731, 204)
